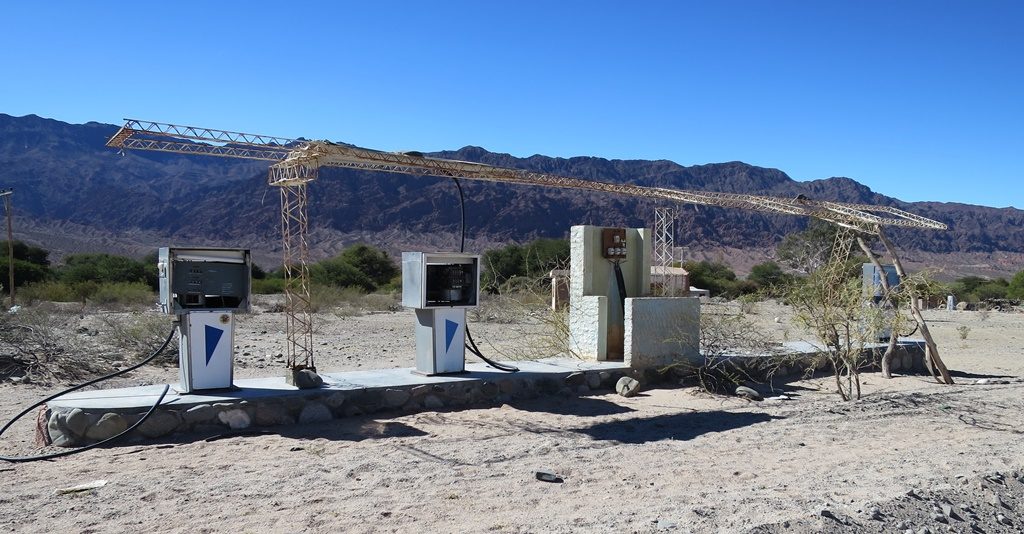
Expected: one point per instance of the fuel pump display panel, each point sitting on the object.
(451, 285)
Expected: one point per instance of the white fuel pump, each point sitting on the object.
(440, 287)
(204, 288)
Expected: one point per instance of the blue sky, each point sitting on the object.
(917, 100)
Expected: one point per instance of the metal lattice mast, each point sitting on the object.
(663, 248)
(292, 182)
(664, 236)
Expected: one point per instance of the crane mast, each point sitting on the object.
(295, 163)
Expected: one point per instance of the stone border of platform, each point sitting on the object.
(91, 416)
(83, 419)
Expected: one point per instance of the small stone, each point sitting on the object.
(593, 380)
(575, 379)
(996, 501)
(665, 524)
(747, 393)
(627, 387)
(77, 421)
(874, 513)
(924, 530)
(314, 412)
(947, 511)
(547, 476)
(109, 425)
(939, 518)
(395, 398)
(1003, 520)
(235, 418)
(199, 413)
(159, 424)
(432, 402)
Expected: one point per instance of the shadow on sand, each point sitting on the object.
(681, 427)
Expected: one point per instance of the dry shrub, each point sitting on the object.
(139, 334)
(733, 349)
(45, 345)
(541, 332)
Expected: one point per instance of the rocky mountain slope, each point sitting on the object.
(73, 193)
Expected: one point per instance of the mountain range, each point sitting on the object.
(74, 194)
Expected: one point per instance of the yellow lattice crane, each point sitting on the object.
(295, 163)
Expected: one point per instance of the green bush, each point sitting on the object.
(1015, 289)
(101, 268)
(769, 278)
(339, 273)
(372, 262)
(532, 261)
(326, 297)
(24, 272)
(125, 293)
(267, 286)
(977, 288)
(51, 291)
(716, 277)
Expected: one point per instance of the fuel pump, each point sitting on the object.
(203, 288)
(440, 287)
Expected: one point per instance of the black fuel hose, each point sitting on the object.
(620, 281)
(471, 346)
(50, 456)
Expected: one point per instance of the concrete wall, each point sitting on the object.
(661, 331)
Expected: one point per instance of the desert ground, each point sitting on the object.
(911, 456)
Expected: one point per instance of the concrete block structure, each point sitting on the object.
(661, 331)
(596, 318)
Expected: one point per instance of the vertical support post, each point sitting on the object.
(10, 244)
(931, 349)
(294, 237)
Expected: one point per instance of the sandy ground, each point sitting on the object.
(672, 459)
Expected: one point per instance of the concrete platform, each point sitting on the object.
(253, 389)
(89, 416)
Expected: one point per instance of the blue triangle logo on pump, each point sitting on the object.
(213, 336)
(450, 328)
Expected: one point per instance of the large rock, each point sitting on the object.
(432, 402)
(306, 379)
(335, 400)
(574, 379)
(58, 430)
(314, 412)
(593, 380)
(627, 386)
(77, 421)
(159, 424)
(235, 418)
(109, 425)
(200, 413)
(395, 398)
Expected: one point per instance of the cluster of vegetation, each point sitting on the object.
(512, 266)
(111, 279)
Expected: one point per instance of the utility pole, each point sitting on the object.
(6, 193)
